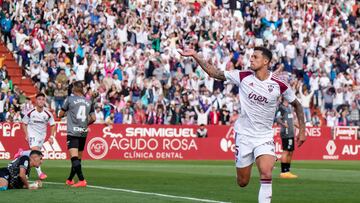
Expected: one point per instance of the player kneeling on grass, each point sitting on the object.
(259, 91)
(14, 176)
(35, 128)
(80, 114)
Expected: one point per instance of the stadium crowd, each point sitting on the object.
(126, 54)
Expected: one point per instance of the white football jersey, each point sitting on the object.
(37, 122)
(258, 102)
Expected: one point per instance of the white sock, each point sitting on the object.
(38, 170)
(265, 191)
(25, 153)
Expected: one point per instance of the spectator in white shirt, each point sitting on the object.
(44, 78)
(290, 50)
(305, 99)
(99, 115)
(331, 119)
(314, 84)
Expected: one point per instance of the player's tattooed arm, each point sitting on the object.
(300, 138)
(210, 69)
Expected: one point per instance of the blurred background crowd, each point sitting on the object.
(125, 52)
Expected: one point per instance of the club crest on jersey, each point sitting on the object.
(270, 88)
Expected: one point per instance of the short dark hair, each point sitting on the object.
(36, 152)
(40, 95)
(78, 86)
(265, 52)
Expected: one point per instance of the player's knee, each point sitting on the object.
(242, 182)
(266, 174)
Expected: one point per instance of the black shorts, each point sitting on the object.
(4, 173)
(76, 142)
(288, 144)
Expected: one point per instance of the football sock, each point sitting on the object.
(72, 172)
(76, 164)
(265, 191)
(285, 167)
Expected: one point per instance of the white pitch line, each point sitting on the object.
(145, 193)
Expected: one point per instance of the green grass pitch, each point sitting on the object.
(320, 181)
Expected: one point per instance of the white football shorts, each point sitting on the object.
(247, 149)
(36, 141)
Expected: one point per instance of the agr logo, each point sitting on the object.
(97, 148)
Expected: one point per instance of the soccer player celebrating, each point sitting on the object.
(15, 175)
(285, 118)
(259, 91)
(78, 109)
(35, 128)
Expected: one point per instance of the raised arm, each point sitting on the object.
(208, 68)
(196, 110)
(301, 90)
(300, 138)
(311, 93)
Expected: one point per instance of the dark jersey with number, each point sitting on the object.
(14, 171)
(78, 110)
(286, 115)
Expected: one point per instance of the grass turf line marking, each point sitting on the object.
(144, 193)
